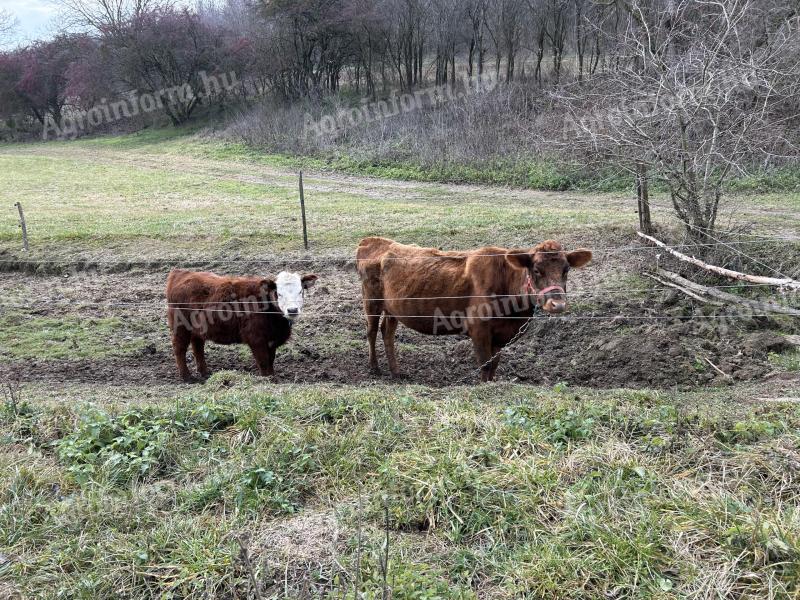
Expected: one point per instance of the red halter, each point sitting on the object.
(530, 289)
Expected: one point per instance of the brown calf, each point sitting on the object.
(255, 311)
(487, 294)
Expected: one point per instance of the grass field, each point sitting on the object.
(156, 195)
(499, 491)
(617, 464)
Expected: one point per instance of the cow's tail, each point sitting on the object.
(170, 293)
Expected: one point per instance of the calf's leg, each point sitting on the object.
(199, 351)
(180, 344)
(373, 311)
(264, 353)
(389, 328)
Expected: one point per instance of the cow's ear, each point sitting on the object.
(519, 259)
(579, 258)
(309, 280)
(270, 289)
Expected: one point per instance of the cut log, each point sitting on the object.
(792, 284)
(696, 289)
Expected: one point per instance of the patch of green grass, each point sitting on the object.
(788, 361)
(530, 174)
(24, 336)
(139, 443)
(490, 492)
(150, 139)
(786, 179)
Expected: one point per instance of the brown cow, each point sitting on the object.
(444, 293)
(255, 311)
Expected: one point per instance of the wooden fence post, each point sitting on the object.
(303, 212)
(23, 226)
(643, 196)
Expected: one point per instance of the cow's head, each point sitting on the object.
(287, 291)
(547, 266)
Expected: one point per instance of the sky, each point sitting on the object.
(35, 18)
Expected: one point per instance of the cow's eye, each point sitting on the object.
(566, 269)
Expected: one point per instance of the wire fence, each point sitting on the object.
(345, 260)
(230, 307)
(582, 294)
(461, 317)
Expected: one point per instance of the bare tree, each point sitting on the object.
(505, 27)
(475, 11)
(109, 17)
(556, 32)
(538, 29)
(447, 16)
(8, 24)
(697, 95)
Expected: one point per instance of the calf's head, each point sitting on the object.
(288, 292)
(547, 266)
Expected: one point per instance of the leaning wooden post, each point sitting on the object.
(303, 212)
(23, 226)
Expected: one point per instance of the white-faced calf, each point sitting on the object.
(255, 311)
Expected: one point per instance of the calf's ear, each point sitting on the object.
(309, 280)
(579, 258)
(519, 259)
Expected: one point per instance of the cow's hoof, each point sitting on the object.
(375, 371)
(399, 376)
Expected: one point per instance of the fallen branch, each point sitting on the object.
(684, 291)
(785, 283)
(717, 369)
(687, 286)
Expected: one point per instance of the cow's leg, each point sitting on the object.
(495, 361)
(373, 311)
(482, 344)
(389, 328)
(180, 344)
(264, 354)
(199, 351)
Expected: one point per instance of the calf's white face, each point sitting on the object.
(290, 292)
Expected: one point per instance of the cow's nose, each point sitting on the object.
(556, 306)
(293, 312)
